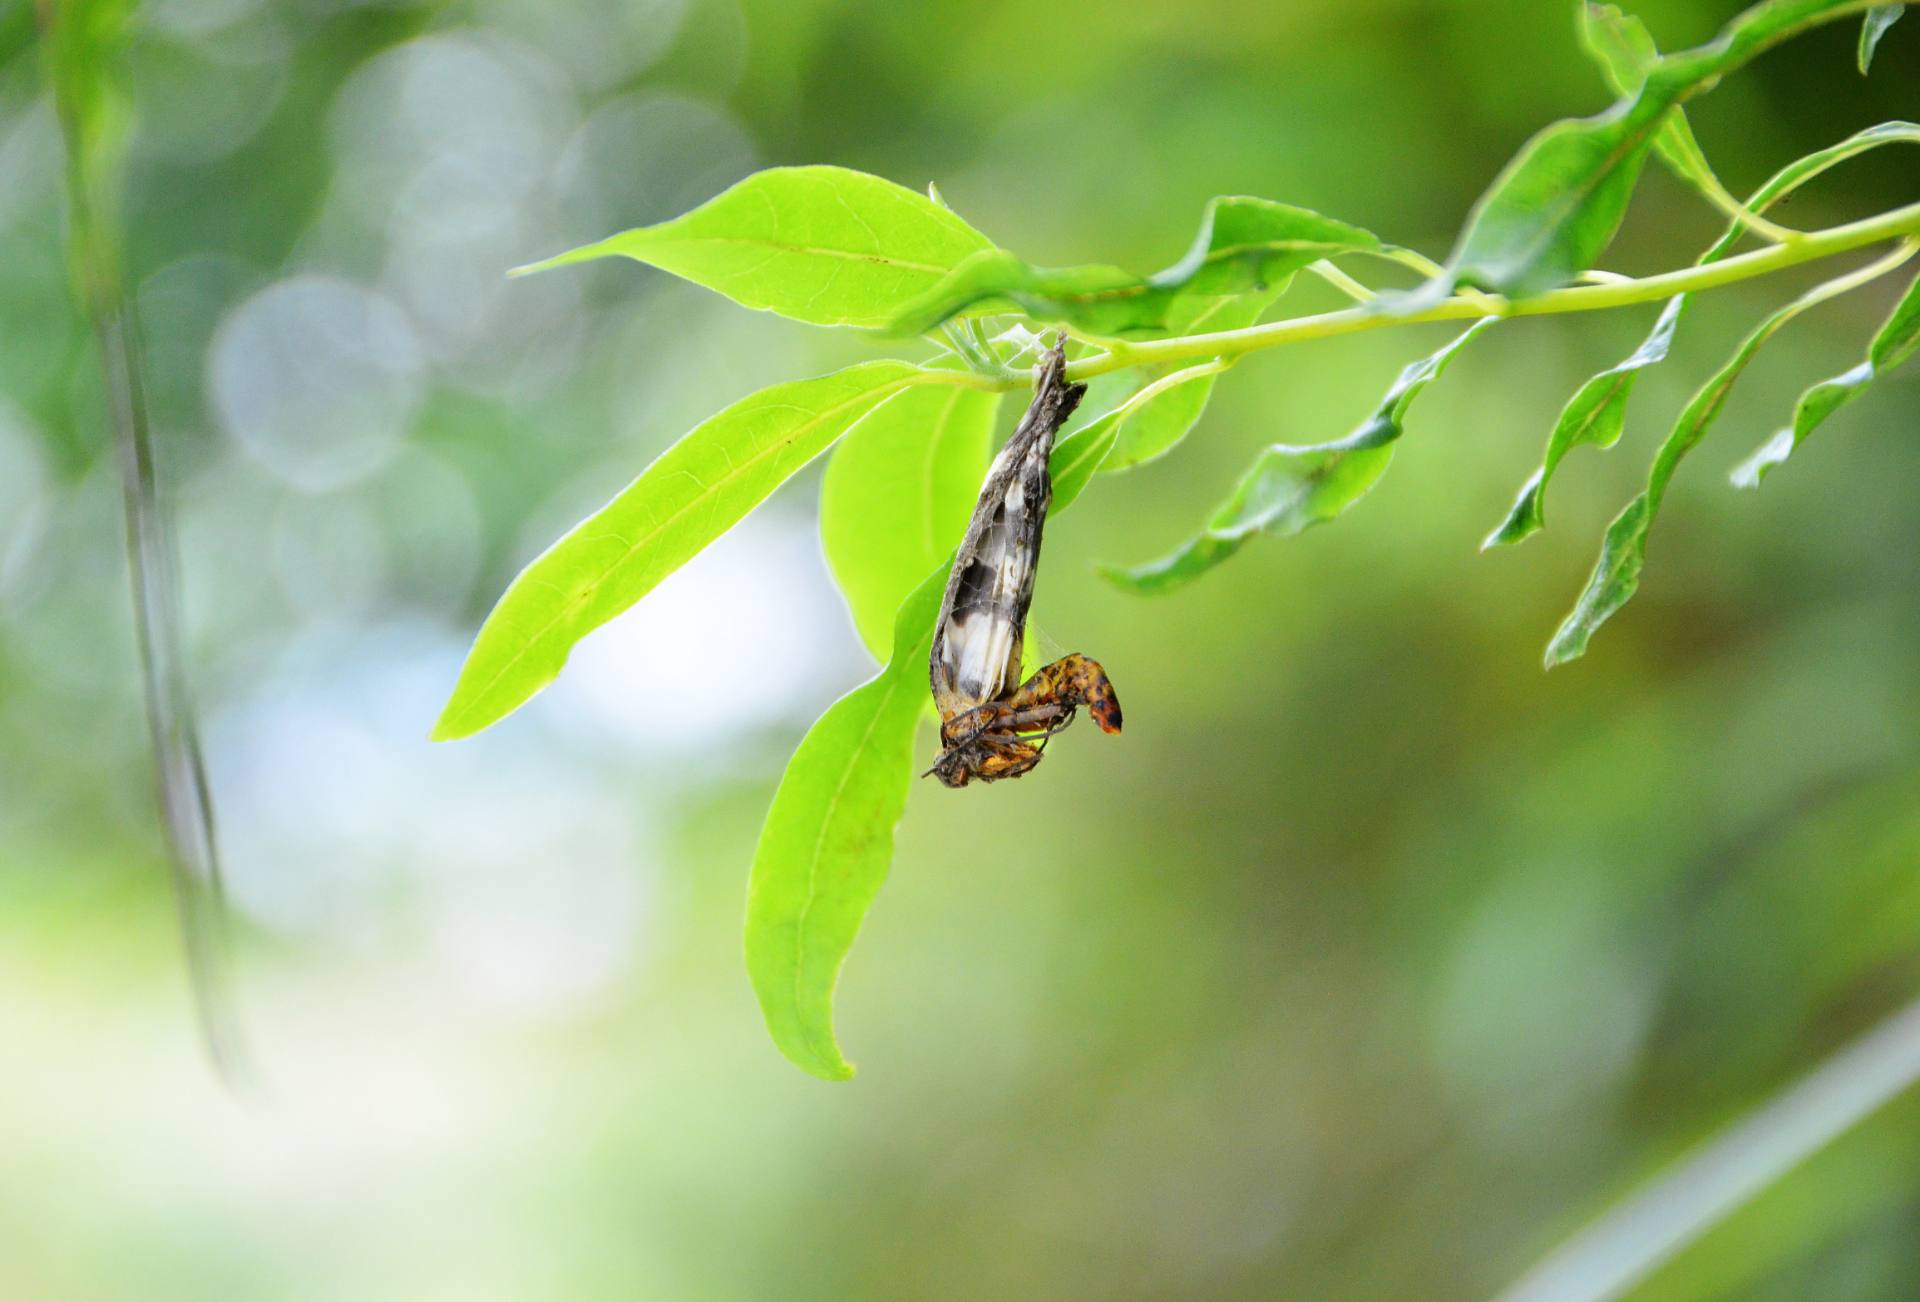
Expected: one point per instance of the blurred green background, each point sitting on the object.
(1370, 963)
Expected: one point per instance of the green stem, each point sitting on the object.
(1341, 281)
(1719, 196)
(78, 43)
(1809, 247)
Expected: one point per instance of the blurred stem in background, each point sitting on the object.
(80, 39)
(1628, 1243)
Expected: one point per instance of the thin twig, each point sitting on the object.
(1629, 1242)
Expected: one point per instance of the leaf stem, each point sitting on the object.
(1808, 247)
(1341, 281)
(1720, 197)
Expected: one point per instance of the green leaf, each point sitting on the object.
(1895, 341)
(1872, 28)
(1154, 426)
(1078, 456)
(1244, 244)
(697, 490)
(897, 496)
(1595, 413)
(1556, 206)
(1164, 410)
(1899, 337)
(1290, 488)
(1624, 49)
(828, 841)
(1623, 552)
(1167, 408)
(823, 245)
(1801, 170)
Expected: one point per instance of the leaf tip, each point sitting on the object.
(1525, 517)
(1564, 647)
(1751, 471)
(813, 1049)
(449, 727)
(1519, 526)
(531, 268)
(617, 244)
(1126, 578)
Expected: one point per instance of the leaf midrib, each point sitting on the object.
(581, 597)
(810, 1034)
(810, 250)
(1148, 286)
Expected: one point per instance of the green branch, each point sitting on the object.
(1809, 247)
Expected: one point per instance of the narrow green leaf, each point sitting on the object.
(823, 245)
(697, 490)
(1164, 411)
(1156, 426)
(1624, 49)
(1803, 169)
(1290, 488)
(1595, 413)
(1244, 244)
(1899, 336)
(828, 841)
(1556, 206)
(897, 495)
(1167, 407)
(1623, 553)
(1078, 456)
(1872, 28)
(1895, 341)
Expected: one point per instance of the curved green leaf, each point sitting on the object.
(1555, 207)
(1624, 49)
(1244, 244)
(1872, 28)
(1895, 341)
(1596, 412)
(897, 495)
(1595, 415)
(1163, 417)
(1623, 552)
(1168, 406)
(1289, 488)
(1156, 426)
(823, 245)
(828, 841)
(697, 490)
